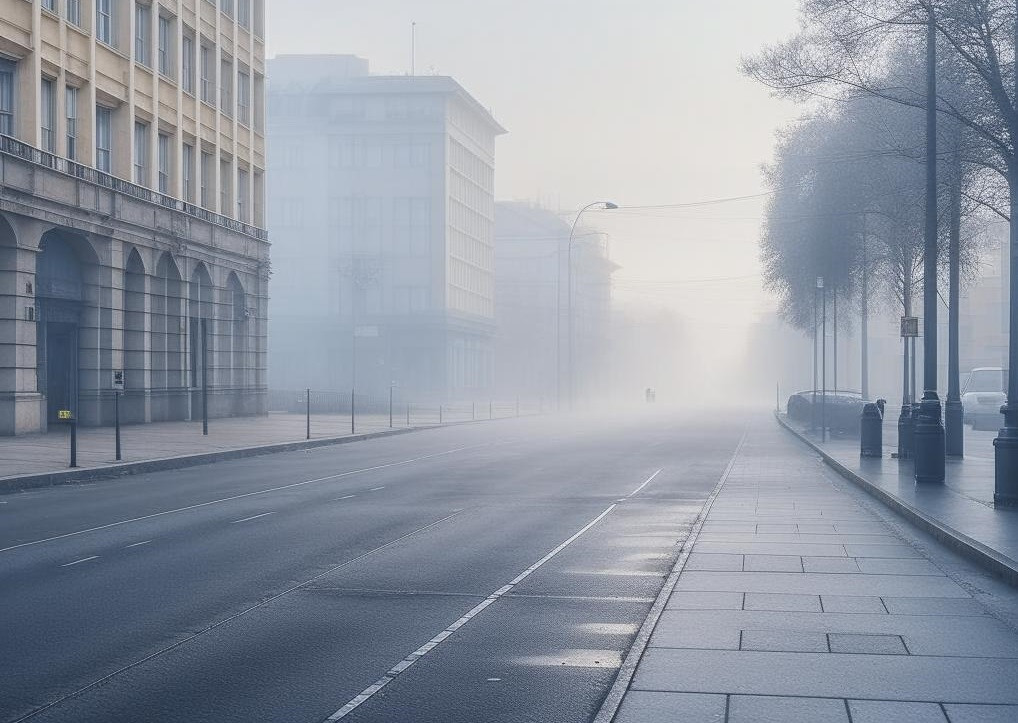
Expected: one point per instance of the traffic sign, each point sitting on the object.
(909, 326)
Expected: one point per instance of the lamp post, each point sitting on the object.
(929, 442)
(607, 206)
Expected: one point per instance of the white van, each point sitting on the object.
(984, 393)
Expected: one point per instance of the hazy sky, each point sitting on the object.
(639, 102)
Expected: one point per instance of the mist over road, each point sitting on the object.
(495, 572)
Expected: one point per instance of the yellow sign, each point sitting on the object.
(64, 414)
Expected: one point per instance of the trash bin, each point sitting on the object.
(871, 435)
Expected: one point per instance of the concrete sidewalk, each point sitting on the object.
(962, 506)
(44, 453)
(804, 600)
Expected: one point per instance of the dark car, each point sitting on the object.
(841, 409)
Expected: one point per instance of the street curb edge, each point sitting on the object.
(984, 556)
(114, 471)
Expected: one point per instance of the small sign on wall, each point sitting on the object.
(118, 380)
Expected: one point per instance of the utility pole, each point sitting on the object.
(930, 451)
(864, 369)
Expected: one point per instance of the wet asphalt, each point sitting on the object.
(281, 588)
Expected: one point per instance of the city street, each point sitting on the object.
(282, 587)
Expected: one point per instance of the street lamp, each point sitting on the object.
(929, 441)
(606, 206)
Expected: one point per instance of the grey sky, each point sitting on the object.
(639, 102)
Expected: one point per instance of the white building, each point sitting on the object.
(383, 223)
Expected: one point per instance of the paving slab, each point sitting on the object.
(835, 614)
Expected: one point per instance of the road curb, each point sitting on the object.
(113, 471)
(986, 557)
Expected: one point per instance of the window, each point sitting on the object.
(206, 179)
(243, 95)
(47, 115)
(187, 172)
(143, 34)
(225, 192)
(208, 74)
(104, 21)
(164, 162)
(6, 97)
(226, 86)
(166, 46)
(243, 189)
(50, 5)
(73, 12)
(187, 63)
(141, 153)
(226, 6)
(259, 17)
(71, 110)
(104, 138)
(259, 103)
(244, 13)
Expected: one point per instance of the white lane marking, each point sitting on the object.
(493, 680)
(253, 517)
(409, 660)
(138, 544)
(375, 489)
(646, 482)
(627, 670)
(224, 621)
(84, 559)
(576, 658)
(246, 494)
(344, 497)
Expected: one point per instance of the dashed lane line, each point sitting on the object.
(199, 505)
(77, 562)
(213, 626)
(252, 517)
(138, 544)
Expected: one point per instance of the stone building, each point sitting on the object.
(131, 210)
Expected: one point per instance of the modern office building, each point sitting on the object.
(532, 305)
(382, 221)
(131, 209)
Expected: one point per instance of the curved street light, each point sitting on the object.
(606, 206)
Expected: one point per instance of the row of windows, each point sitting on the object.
(248, 11)
(462, 160)
(199, 69)
(367, 152)
(468, 221)
(471, 195)
(471, 250)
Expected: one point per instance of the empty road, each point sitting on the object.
(497, 571)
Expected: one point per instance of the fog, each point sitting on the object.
(642, 105)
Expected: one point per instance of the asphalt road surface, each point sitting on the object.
(488, 572)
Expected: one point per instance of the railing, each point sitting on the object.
(13, 147)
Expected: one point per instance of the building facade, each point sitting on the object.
(532, 306)
(131, 209)
(383, 231)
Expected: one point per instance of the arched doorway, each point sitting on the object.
(136, 367)
(63, 267)
(202, 345)
(169, 392)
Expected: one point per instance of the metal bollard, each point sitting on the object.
(116, 421)
(74, 442)
(307, 416)
(871, 432)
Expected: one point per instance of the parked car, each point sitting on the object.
(844, 409)
(984, 392)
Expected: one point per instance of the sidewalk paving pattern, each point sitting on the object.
(964, 502)
(797, 603)
(40, 453)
